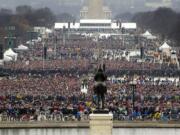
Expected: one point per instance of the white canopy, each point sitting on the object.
(165, 46)
(7, 58)
(148, 35)
(22, 47)
(11, 54)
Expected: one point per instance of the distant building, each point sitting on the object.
(95, 18)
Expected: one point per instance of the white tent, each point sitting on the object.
(11, 54)
(148, 35)
(7, 59)
(164, 46)
(22, 48)
(166, 49)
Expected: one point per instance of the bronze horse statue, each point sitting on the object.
(100, 88)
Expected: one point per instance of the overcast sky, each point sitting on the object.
(59, 6)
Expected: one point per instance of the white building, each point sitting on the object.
(95, 25)
(95, 17)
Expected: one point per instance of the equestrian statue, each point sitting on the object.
(100, 88)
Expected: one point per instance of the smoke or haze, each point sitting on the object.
(73, 6)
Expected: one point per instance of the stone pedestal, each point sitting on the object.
(101, 124)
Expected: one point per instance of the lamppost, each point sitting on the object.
(133, 88)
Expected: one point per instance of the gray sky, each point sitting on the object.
(73, 6)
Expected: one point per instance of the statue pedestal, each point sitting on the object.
(101, 124)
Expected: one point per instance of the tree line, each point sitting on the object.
(163, 21)
(24, 18)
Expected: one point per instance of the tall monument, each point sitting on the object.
(95, 9)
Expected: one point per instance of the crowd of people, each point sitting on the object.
(57, 96)
(80, 55)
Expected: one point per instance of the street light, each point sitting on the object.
(133, 88)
